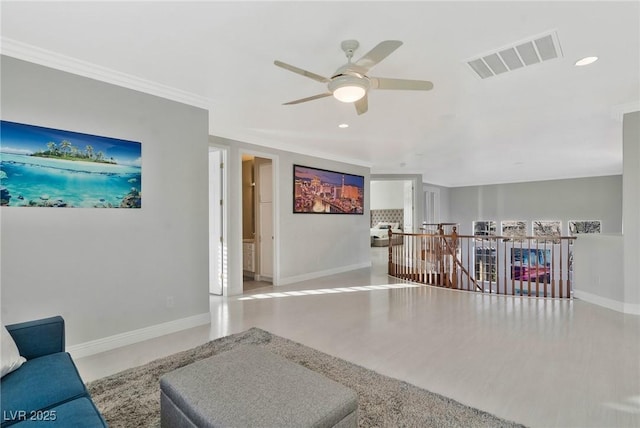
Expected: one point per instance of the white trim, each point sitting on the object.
(319, 274)
(275, 163)
(632, 308)
(34, 54)
(627, 308)
(276, 144)
(130, 337)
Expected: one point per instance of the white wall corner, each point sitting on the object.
(130, 337)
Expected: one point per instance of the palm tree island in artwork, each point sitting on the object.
(44, 167)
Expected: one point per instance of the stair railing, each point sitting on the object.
(521, 266)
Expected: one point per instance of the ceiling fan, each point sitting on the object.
(350, 83)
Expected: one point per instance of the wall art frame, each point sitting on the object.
(54, 168)
(322, 191)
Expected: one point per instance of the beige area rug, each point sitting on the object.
(132, 398)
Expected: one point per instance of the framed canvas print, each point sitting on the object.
(528, 264)
(484, 228)
(514, 230)
(45, 167)
(577, 227)
(548, 228)
(319, 191)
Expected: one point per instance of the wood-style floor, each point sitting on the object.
(539, 362)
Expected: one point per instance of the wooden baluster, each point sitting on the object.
(560, 281)
(569, 267)
(553, 270)
(529, 267)
(433, 255)
(414, 259)
(504, 270)
(537, 266)
(547, 277)
(513, 281)
(454, 266)
(405, 259)
(570, 263)
(390, 268)
(469, 258)
(495, 262)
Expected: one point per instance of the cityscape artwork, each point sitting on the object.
(45, 167)
(318, 191)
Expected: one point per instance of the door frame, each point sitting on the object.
(223, 212)
(418, 193)
(275, 206)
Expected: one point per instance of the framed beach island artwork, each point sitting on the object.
(319, 191)
(45, 167)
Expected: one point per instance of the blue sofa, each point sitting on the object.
(46, 391)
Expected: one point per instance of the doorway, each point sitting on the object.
(393, 197)
(257, 222)
(217, 222)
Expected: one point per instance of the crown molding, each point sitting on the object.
(47, 58)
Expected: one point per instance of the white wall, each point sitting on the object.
(109, 271)
(598, 271)
(387, 195)
(308, 245)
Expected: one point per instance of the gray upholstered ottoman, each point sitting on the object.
(251, 387)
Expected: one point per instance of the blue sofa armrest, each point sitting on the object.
(39, 337)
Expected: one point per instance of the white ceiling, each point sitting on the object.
(550, 120)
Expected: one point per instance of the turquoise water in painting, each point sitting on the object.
(30, 180)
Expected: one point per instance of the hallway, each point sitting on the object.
(534, 361)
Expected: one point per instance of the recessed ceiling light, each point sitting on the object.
(343, 125)
(586, 61)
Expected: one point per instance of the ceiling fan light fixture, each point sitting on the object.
(348, 89)
(349, 94)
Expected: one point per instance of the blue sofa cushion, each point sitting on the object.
(40, 337)
(79, 413)
(41, 383)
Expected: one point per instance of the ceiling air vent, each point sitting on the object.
(521, 54)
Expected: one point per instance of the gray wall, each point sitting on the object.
(631, 210)
(109, 271)
(308, 245)
(594, 198)
(445, 202)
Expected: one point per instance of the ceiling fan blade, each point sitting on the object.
(304, 100)
(301, 71)
(412, 85)
(377, 54)
(362, 105)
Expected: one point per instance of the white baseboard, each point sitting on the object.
(319, 274)
(130, 337)
(632, 308)
(616, 305)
